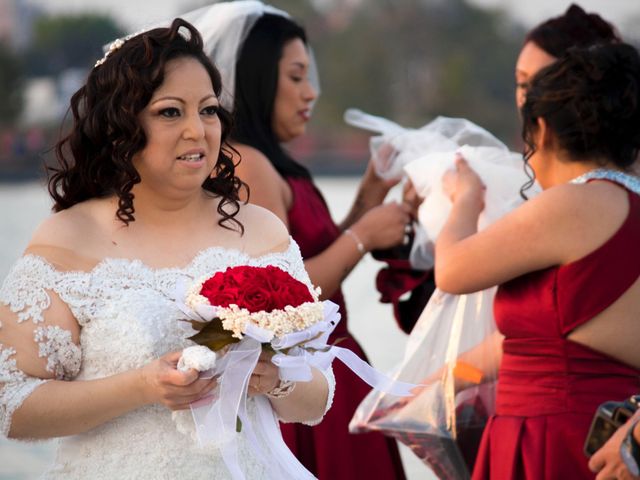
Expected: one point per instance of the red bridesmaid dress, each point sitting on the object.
(328, 450)
(550, 387)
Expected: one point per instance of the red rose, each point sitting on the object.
(293, 297)
(257, 298)
(255, 288)
(221, 290)
(289, 290)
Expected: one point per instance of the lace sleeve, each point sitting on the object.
(331, 383)
(39, 337)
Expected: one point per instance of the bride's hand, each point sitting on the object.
(265, 376)
(463, 183)
(163, 383)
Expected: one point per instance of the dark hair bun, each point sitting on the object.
(574, 28)
(590, 100)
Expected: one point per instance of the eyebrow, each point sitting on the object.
(178, 99)
(298, 64)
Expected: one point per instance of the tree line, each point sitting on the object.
(408, 61)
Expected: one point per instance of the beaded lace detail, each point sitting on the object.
(24, 289)
(63, 356)
(630, 182)
(15, 386)
(128, 318)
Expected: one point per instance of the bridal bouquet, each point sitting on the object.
(243, 299)
(239, 312)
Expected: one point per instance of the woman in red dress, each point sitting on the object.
(566, 262)
(273, 96)
(542, 46)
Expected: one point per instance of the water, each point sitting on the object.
(24, 206)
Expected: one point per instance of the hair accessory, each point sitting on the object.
(115, 45)
(356, 239)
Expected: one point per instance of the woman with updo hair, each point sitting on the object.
(566, 264)
(551, 39)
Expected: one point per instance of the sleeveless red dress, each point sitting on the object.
(328, 450)
(548, 386)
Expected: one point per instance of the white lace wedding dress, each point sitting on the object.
(127, 319)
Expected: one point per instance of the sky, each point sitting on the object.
(134, 14)
(625, 14)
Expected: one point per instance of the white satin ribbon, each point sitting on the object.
(308, 348)
(296, 353)
(216, 419)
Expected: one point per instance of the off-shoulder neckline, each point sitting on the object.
(188, 266)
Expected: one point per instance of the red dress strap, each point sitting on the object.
(588, 286)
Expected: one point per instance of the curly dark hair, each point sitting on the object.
(95, 157)
(590, 101)
(574, 28)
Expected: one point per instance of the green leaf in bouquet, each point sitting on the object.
(238, 425)
(211, 334)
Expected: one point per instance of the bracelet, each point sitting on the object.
(281, 390)
(356, 239)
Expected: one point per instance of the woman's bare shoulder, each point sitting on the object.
(249, 152)
(253, 163)
(73, 228)
(264, 231)
(583, 202)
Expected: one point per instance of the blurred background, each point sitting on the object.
(407, 60)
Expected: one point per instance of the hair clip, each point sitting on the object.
(115, 45)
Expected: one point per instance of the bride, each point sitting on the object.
(145, 196)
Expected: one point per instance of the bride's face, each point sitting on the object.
(182, 129)
(531, 60)
(294, 95)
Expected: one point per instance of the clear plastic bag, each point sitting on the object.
(451, 351)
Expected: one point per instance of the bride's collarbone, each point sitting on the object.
(162, 245)
(158, 248)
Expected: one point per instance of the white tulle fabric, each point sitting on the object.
(127, 318)
(224, 26)
(425, 154)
